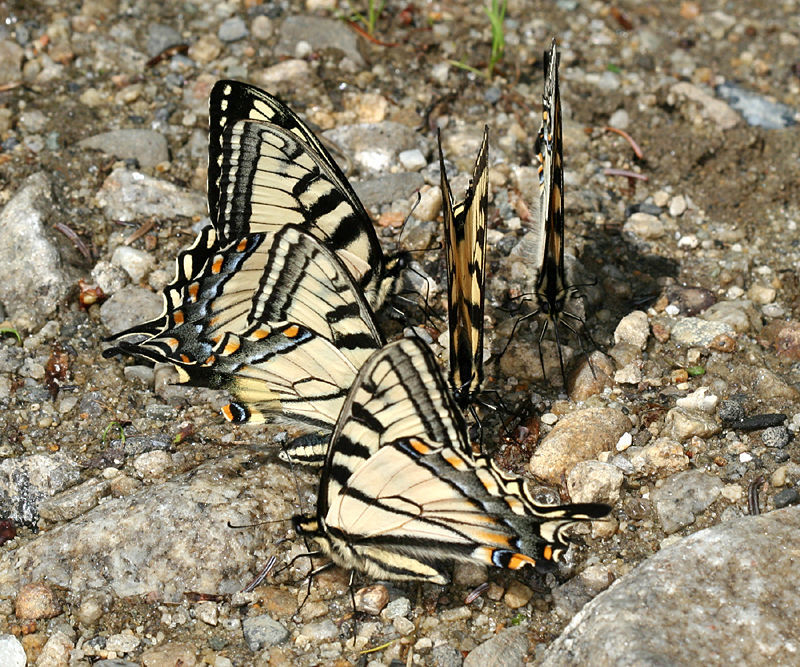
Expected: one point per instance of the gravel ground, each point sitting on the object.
(135, 550)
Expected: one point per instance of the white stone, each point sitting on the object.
(548, 418)
(634, 328)
(136, 263)
(745, 457)
(11, 652)
(677, 206)
(645, 226)
(625, 441)
(412, 160)
(288, 70)
(690, 242)
(699, 399)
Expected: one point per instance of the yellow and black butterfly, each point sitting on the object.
(273, 301)
(465, 245)
(402, 496)
(552, 292)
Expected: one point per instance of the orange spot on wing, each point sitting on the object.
(419, 446)
(178, 317)
(291, 331)
(242, 245)
(258, 334)
(210, 361)
(548, 552)
(492, 538)
(216, 267)
(185, 359)
(519, 560)
(231, 347)
(226, 411)
(193, 290)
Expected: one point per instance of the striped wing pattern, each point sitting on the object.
(234, 326)
(402, 496)
(465, 243)
(267, 169)
(551, 289)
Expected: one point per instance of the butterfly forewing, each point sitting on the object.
(465, 243)
(551, 282)
(266, 169)
(402, 496)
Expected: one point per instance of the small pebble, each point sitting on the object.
(263, 631)
(548, 418)
(645, 226)
(171, 653)
(36, 600)
(785, 498)
(262, 27)
(11, 652)
(663, 456)
(372, 599)
(207, 612)
(677, 206)
(56, 652)
(517, 595)
(398, 607)
(700, 400)
(232, 30)
(412, 160)
(778, 478)
(123, 642)
(775, 436)
(594, 482)
(152, 465)
(430, 204)
(92, 607)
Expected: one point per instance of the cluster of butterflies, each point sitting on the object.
(274, 302)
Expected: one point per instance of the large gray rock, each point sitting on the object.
(723, 596)
(319, 33)
(166, 538)
(147, 147)
(131, 195)
(34, 278)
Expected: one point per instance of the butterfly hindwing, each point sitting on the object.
(465, 244)
(403, 497)
(233, 328)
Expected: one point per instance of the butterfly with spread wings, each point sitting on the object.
(275, 300)
(465, 244)
(403, 497)
(552, 293)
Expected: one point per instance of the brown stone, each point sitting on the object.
(36, 600)
(579, 436)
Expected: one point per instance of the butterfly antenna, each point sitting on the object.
(408, 217)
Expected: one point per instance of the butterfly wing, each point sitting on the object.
(267, 169)
(220, 326)
(401, 495)
(465, 243)
(551, 289)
